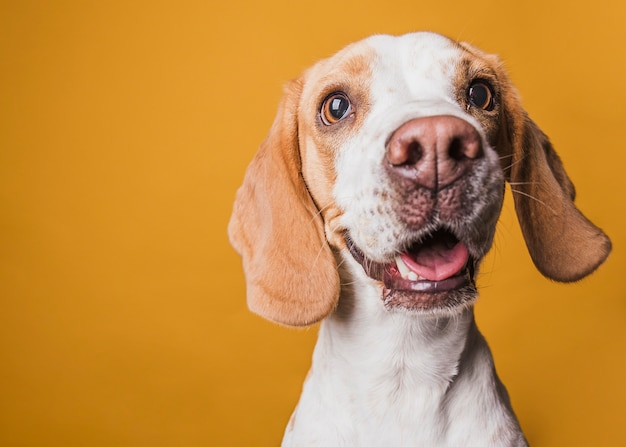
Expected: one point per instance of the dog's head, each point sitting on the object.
(393, 153)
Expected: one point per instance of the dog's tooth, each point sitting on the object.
(405, 272)
(402, 268)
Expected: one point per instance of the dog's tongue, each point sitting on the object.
(437, 260)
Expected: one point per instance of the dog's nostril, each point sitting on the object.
(465, 147)
(405, 154)
(414, 153)
(457, 149)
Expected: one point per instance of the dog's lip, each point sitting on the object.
(456, 274)
(393, 281)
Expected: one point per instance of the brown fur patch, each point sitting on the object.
(349, 72)
(564, 244)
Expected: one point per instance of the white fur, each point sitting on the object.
(391, 379)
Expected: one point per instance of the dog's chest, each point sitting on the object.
(393, 413)
(382, 389)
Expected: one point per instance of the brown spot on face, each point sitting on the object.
(349, 72)
(506, 124)
(475, 65)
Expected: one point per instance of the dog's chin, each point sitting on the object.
(446, 290)
(439, 304)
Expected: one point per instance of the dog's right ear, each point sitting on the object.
(291, 273)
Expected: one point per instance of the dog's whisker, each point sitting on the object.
(319, 212)
(321, 249)
(341, 262)
(319, 253)
(530, 196)
(514, 163)
(350, 283)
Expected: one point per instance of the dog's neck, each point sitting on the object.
(396, 346)
(394, 349)
(396, 378)
(362, 334)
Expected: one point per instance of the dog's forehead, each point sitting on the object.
(427, 54)
(418, 66)
(408, 61)
(384, 72)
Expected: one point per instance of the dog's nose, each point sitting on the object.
(433, 151)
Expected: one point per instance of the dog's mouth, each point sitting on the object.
(423, 275)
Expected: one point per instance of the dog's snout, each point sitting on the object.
(433, 151)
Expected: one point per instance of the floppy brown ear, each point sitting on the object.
(564, 245)
(291, 273)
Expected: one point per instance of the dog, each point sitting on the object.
(369, 208)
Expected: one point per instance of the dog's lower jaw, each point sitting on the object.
(382, 378)
(434, 304)
(442, 298)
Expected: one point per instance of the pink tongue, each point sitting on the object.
(437, 262)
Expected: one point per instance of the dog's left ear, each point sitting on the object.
(564, 245)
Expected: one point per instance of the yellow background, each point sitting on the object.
(125, 128)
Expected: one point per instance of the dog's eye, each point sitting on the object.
(335, 107)
(480, 95)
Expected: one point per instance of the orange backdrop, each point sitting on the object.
(125, 128)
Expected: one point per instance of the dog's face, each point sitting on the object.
(398, 143)
(394, 152)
